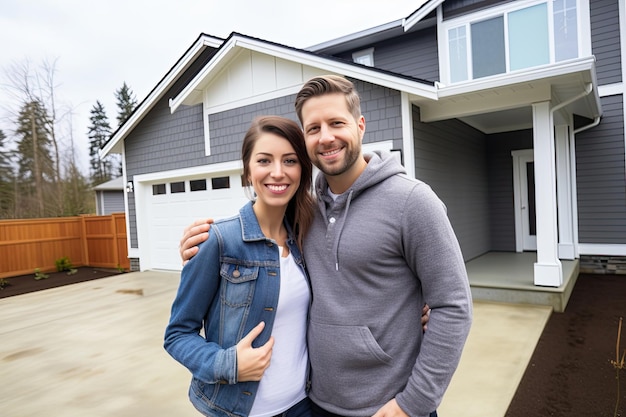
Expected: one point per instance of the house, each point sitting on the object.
(110, 197)
(513, 111)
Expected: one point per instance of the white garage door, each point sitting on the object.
(174, 204)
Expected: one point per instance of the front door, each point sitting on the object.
(524, 197)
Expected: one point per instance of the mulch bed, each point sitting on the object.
(570, 372)
(27, 283)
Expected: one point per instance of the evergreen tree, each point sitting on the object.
(35, 164)
(7, 181)
(99, 133)
(126, 103)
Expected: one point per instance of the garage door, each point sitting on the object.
(174, 204)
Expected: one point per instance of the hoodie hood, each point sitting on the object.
(380, 166)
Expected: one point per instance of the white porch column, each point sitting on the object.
(564, 192)
(548, 270)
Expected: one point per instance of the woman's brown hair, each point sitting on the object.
(300, 208)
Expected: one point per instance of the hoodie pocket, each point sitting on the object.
(344, 348)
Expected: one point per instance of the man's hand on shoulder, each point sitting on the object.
(194, 234)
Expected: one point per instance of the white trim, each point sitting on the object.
(161, 88)
(408, 140)
(520, 157)
(564, 192)
(189, 172)
(611, 89)
(548, 268)
(622, 38)
(602, 249)
(422, 11)
(532, 74)
(304, 58)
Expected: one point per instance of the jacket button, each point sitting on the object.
(236, 273)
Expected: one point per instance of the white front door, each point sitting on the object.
(524, 197)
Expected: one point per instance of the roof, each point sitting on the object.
(227, 48)
(116, 184)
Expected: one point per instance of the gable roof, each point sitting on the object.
(227, 49)
(113, 145)
(417, 20)
(192, 93)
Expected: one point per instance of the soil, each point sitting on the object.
(570, 372)
(27, 283)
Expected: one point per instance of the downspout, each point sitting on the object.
(595, 123)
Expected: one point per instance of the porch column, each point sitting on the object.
(564, 192)
(548, 270)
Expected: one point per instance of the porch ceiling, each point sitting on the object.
(504, 103)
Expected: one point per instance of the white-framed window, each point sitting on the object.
(512, 37)
(364, 57)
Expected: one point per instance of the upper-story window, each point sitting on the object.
(521, 35)
(364, 57)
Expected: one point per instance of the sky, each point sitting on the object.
(96, 46)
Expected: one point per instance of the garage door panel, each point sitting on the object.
(168, 214)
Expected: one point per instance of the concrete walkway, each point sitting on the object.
(95, 349)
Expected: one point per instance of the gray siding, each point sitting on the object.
(381, 108)
(605, 42)
(500, 171)
(413, 55)
(460, 7)
(450, 156)
(600, 178)
(109, 202)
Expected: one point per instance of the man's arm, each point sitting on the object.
(194, 234)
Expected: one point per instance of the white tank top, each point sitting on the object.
(283, 383)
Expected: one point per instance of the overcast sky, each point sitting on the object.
(99, 45)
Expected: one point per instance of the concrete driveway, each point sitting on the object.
(95, 349)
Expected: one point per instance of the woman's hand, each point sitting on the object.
(252, 362)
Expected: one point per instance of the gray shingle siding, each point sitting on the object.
(500, 172)
(605, 40)
(381, 108)
(600, 178)
(450, 156)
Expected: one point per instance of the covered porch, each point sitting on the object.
(508, 277)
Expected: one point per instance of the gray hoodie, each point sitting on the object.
(375, 256)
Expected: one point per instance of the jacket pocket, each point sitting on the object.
(239, 283)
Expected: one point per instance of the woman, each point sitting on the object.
(247, 290)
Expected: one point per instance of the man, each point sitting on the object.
(380, 246)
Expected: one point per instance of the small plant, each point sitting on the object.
(72, 271)
(40, 275)
(4, 283)
(120, 268)
(618, 364)
(63, 264)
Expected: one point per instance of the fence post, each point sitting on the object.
(116, 253)
(83, 240)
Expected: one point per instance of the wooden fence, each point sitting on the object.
(96, 241)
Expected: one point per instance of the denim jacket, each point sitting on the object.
(225, 299)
